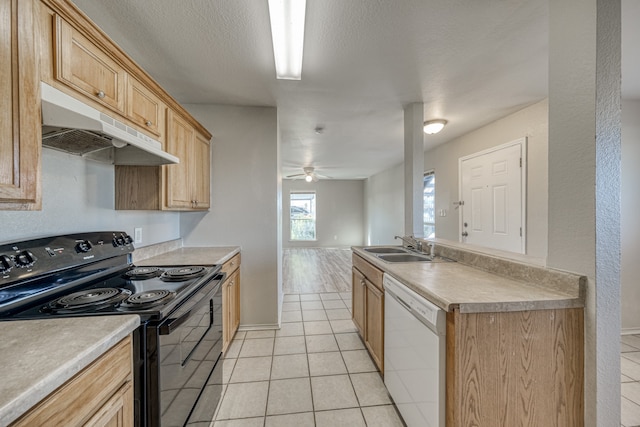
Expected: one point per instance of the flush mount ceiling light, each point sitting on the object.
(434, 126)
(287, 32)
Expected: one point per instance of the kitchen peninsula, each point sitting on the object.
(514, 336)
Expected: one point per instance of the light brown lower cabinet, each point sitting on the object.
(515, 368)
(368, 307)
(100, 395)
(230, 301)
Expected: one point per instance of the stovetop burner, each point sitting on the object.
(90, 299)
(142, 273)
(182, 273)
(147, 299)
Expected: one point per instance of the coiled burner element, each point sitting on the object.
(89, 299)
(182, 273)
(141, 273)
(147, 299)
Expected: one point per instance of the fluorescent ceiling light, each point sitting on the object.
(287, 32)
(434, 126)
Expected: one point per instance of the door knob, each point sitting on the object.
(465, 234)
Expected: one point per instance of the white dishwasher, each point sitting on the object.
(414, 355)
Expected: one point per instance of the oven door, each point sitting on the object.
(188, 377)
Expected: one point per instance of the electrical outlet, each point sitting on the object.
(137, 235)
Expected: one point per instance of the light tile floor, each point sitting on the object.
(630, 380)
(313, 371)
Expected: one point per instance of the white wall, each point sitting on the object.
(245, 207)
(384, 206)
(339, 215)
(78, 196)
(531, 122)
(630, 226)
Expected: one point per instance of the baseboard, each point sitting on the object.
(259, 327)
(630, 331)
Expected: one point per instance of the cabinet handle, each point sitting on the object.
(233, 263)
(148, 123)
(362, 282)
(100, 94)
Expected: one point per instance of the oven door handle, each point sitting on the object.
(172, 323)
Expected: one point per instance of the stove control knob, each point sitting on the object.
(127, 239)
(25, 259)
(84, 246)
(118, 241)
(5, 264)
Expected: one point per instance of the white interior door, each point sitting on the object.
(492, 189)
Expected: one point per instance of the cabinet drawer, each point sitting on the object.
(85, 68)
(144, 108)
(75, 402)
(372, 273)
(231, 265)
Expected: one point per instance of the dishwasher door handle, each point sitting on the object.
(400, 300)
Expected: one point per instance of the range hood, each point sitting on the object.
(74, 127)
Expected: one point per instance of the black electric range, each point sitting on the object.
(178, 344)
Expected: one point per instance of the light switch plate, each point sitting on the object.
(137, 235)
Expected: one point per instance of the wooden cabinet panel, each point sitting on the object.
(144, 108)
(368, 307)
(99, 392)
(230, 301)
(231, 265)
(374, 338)
(180, 140)
(515, 368)
(202, 172)
(87, 69)
(358, 296)
(117, 412)
(371, 272)
(187, 184)
(20, 129)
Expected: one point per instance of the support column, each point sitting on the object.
(413, 169)
(584, 182)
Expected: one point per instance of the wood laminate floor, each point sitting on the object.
(316, 270)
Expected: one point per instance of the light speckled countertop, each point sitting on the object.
(38, 356)
(452, 285)
(191, 256)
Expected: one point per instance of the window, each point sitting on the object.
(303, 216)
(429, 204)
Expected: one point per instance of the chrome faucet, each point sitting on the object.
(410, 241)
(432, 250)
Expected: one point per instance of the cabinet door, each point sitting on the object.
(82, 66)
(358, 296)
(234, 304)
(117, 412)
(201, 172)
(20, 129)
(144, 108)
(375, 324)
(180, 140)
(230, 308)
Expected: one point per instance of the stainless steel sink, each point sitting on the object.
(406, 257)
(386, 250)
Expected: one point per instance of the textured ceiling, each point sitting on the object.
(470, 62)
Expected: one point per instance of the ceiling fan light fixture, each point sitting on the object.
(434, 126)
(308, 178)
(287, 32)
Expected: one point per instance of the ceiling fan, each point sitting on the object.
(309, 175)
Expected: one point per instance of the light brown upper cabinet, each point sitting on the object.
(20, 129)
(145, 108)
(86, 68)
(181, 187)
(187, 183)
